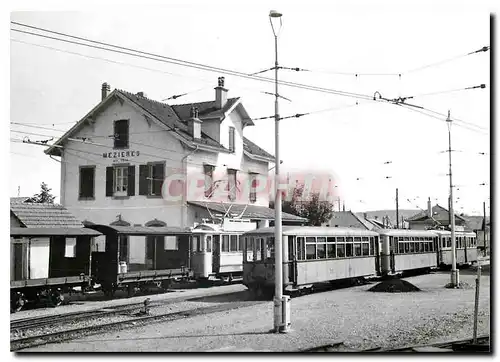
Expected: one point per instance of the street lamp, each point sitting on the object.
(281, 324)
(454, 271)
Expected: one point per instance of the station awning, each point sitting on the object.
(53, 232)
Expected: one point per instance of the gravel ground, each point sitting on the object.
(83, 305)
(96, 321)
(360, 318)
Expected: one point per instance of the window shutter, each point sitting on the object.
(131, 181)
(82, 182)
(91, 181)
(109, 181)
(143, 179)
(158, 175)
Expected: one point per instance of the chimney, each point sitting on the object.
(220, 94)
(140, 94)
(365, 215)
(429, 208)
(194, 124)
(105, 91)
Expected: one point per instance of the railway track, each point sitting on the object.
(129, 321)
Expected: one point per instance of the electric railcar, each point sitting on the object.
(217, 249)
(310, 255)
(321, 254)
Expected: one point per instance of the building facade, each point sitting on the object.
(135, 161)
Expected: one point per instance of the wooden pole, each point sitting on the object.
(476, 303)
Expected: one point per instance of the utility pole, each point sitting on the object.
(397, 210)
(484, 229)
(454, 272)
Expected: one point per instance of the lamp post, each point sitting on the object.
(280, 304)
(454, 271)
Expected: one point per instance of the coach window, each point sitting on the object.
(225, 243)
(372, 250)
(258, 249)
(199, 243)
(417, 245)
(234, 243)
(357, 246)
(330, 248)
(310, 248)
(407, 247)
(209, 243)
(270, 247)
(365, 249)
(300, 248)
(426, 245)
(401, 247)
(321, 247)
(340, 247)
(249, 248)
(348, 247)
(240, 243)
(123, 248)
(448, 240)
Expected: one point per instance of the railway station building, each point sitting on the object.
(135, 161)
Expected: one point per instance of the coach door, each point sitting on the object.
(292, 260)
(375, 246)
(393, 242)
(216, 254)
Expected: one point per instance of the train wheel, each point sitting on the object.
(56, 298)
(18, 301)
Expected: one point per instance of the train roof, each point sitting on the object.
(139, 230)
(53, 231)
(448, 232)
(406, 232)
(314, 231)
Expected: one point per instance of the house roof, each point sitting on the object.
(205, 109)
(43, 215)
(346, 219)
(435, 209)
(18, 199)
(174, 118)
(251, 211)
(140, 230)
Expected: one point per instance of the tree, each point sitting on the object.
(44, 196)
(316, 211)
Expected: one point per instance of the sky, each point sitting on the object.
(370, 148)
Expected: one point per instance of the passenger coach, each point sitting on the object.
(466, 247)
(310, 255)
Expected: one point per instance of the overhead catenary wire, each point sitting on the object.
(161, 58)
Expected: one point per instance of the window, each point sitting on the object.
(366, 249)
(426, 246)
(249, 241)
(372, 246)
(87, 182)
(209, 179)
(340, 250)
(231, 184)
(258, 249)
(120, 181)
(234, 243)
(401, 248)
(270, 247)
(407, 247)
(253, 187)
(70, 250)
(321, 248)
(123, 240)
(225, 243)
(209, 243)
(448, 242)
(231, 139)
(330, 248)
(357, 249)
(171, 243)
(240, 244)
(151, 178)
(121, 134)
(300, 248)
(348, 247)
(310, 251)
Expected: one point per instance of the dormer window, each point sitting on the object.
(231, 139)
(121, 133)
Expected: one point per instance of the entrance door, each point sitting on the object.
(216, 254)
(292, 260)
